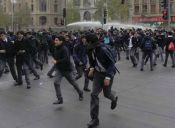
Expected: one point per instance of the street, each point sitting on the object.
(146, 100)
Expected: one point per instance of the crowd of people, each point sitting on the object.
(91, 53)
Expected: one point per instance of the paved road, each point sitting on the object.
(146, 100)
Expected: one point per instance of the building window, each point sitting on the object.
(87, 16)
(144, 9)
(32, 7)
(43, 6)
(76, 2)
(56, 1)
(56, 21)
(55, 8)
(136, 9)
(136, 1)
(42, 20)
(144, 1)
(153, 9)
(152, 1)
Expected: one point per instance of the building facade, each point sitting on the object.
(149, 11)
(44, 13)
(87, 9)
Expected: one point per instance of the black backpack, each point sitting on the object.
(148, 44)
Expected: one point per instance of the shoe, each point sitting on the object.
(18, 84)
(164, 65)
(86, 89)
(37, 78)
(114, 103)
(60, 101)
(81, 96)
(93, 123)
(41, 67)
(151, 70)
(134, 65)
(28, 86)
(173, 66)
(141, 69)
(50, 76)
(154, 64)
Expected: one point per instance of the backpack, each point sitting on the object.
(171, 46)
(113, 53)
(148, 45)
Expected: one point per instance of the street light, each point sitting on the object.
(13, 2)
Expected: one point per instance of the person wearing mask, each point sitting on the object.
(102, 68)
(80, 59)
(64, 69)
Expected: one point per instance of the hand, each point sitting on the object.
(80, 63)
(54, 61)
(91, 73)
(106, 82)
(2, 51)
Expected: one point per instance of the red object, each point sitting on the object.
(171, 46)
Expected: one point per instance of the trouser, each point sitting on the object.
(68, 76)
(98, 86)
(26, 73)
(80, 70)
(20, 61)
(132, 56)
(2, 66)
(149, 55)
(35, 60)
(11, 63)
(172, 57)
(53, 68)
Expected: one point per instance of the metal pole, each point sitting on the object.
(169, 13)
(12, 16)
(65, 20)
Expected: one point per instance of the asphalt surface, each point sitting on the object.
(146, 100)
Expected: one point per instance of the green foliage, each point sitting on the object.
(116, 10)
(4, 18)
(22, 17)
(73, 14)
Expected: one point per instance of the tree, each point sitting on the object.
(116, 10)
(72, 13)
(22, 17)
(4, 18)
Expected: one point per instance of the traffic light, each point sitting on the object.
(64, 12)
(123, 2)
(105, 12)
(165, 14)
(164, 4)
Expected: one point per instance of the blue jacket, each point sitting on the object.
(80, 54)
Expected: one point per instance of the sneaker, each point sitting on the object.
(93, 123)
(86, 89)
(37, 78)
(141, 69)
(60, 101)
(81, 96)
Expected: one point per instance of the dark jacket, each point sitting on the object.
(33, 45)
(103, 56)
(21, 45)
(80, 54)
(62, 56)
